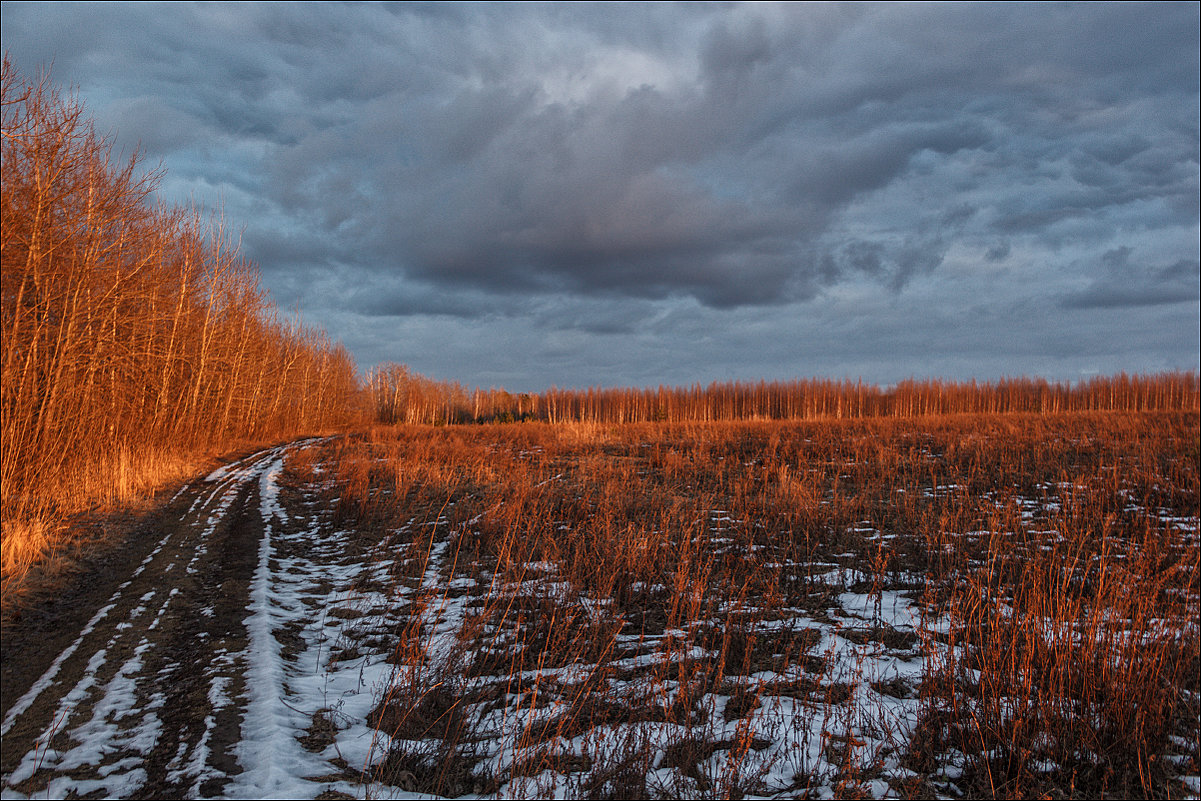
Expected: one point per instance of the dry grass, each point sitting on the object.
(38, 527)
(43, 543)
(624, 579)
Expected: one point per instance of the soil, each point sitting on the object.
(175, 583)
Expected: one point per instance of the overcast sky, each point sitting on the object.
(536, 195)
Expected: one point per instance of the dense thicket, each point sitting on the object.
(401, 396)
(129, 328)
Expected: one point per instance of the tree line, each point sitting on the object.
(400, 396)
(129, 326)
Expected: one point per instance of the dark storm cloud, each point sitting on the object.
(375, 301)
(587, 166)
(433, 142)
(1121, 282)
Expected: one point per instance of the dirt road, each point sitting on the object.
(176, 683)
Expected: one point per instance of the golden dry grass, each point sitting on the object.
(1056, 557)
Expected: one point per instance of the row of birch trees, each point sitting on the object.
(400, 396)
(130, 327)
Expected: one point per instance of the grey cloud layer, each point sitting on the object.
(738, 156)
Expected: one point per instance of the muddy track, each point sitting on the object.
(148, 698)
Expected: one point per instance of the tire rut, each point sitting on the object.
(148, 700)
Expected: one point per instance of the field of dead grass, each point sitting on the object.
(980, 606)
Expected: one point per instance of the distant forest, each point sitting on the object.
(134, 333)
(400, 396)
